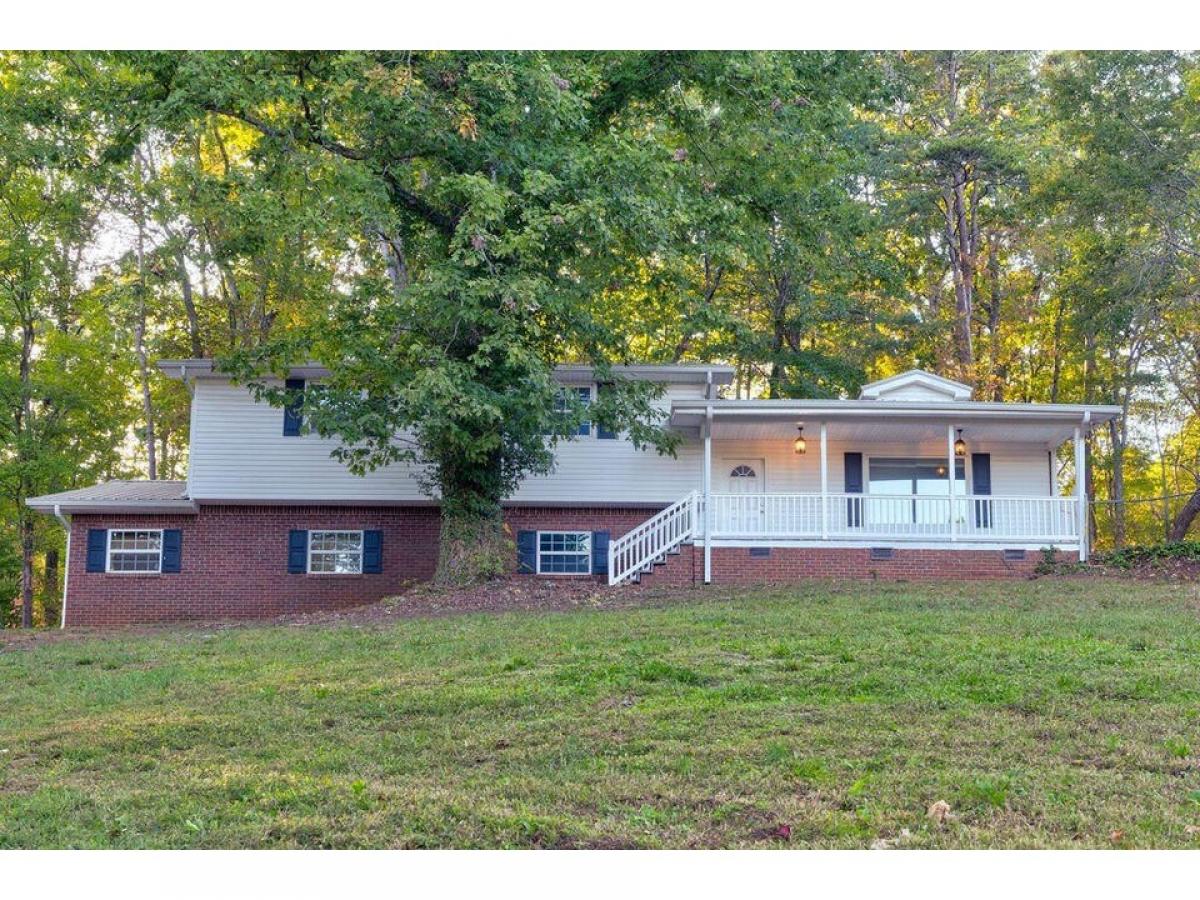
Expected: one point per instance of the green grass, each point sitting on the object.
(1046, 713)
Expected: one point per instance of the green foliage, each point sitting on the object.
(1138, 556)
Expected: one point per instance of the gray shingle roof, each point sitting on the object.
(114, 495)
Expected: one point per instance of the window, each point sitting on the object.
(585, 397)
(335, 552)
(743, 472)
(135, 551)
(564, 553)
(916, 478)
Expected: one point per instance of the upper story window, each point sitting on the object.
(585, 397)
(135, 551)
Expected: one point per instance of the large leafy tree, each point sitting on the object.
(492, 190)
(61, 406)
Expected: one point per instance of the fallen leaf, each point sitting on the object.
(783, 832)
(1116, 836)
(939, 811)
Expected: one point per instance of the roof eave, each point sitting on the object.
(100, 507)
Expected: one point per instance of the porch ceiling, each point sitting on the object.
(881, 421)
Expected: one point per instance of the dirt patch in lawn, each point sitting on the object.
(503, 595)
(513, 594)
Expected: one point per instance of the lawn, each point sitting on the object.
(1048, 713)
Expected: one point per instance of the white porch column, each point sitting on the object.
(824, 486)
(951, 473)
(708, 506)
(1081, 493)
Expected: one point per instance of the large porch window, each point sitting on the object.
(914, 478)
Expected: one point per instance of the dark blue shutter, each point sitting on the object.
(599, 552)
(372, 552)
(297, 552)
(172, 550)
(97, 549)
(585, 396)
(602, 431)
(981, 483)
(526, 552)
(853, 463)
(292, 412)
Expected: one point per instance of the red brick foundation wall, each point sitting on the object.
(234, 565)
(735, 565)
(234, 561)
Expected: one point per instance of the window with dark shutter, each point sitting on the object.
(599, 552)
(372, 563)
(297, 561)
(981, 485)
(526, 552)
(293, 417)
(603, 432)
(853, 474)
(172, 550)
(97, 549)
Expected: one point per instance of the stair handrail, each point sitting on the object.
(638, 548)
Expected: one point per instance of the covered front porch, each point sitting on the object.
(871, 474)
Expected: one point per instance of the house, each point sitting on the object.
(911, 479)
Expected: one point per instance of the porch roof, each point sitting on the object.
(883, 420)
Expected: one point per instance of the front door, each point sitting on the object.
(743, 512)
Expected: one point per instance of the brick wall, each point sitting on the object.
(234, 561)
(735, 565)
(234, 565)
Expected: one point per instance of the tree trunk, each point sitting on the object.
(50, 592)
(996, 376)
(1183, 521)
(189, 307)
(26, 570)
(474, 547)
(1118, 483)
(140, 343)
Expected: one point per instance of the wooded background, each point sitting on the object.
(1025, 222)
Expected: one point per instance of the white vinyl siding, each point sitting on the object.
(239, 453)
(134, 551)
(335, 552)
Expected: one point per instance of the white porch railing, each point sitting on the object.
(862, 516)
(636, 551)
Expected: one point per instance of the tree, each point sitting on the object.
(54, 424)
(496, 183)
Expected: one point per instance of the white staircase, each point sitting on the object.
(637, 552)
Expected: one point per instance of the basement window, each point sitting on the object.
(335, 552)
(760, 552)
(135, 551)
(1014, 554)
(564, 553)
(882, 552)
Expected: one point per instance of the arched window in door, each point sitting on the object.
(743, 472)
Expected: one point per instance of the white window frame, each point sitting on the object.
(308, 557)
(587, 553)
(108, 551)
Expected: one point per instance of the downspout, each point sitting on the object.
(66, 523)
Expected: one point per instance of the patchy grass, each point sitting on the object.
(1045, 713)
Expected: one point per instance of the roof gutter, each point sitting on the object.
(66, 523)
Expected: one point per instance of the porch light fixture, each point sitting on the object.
(960, 446)
(800, 445)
